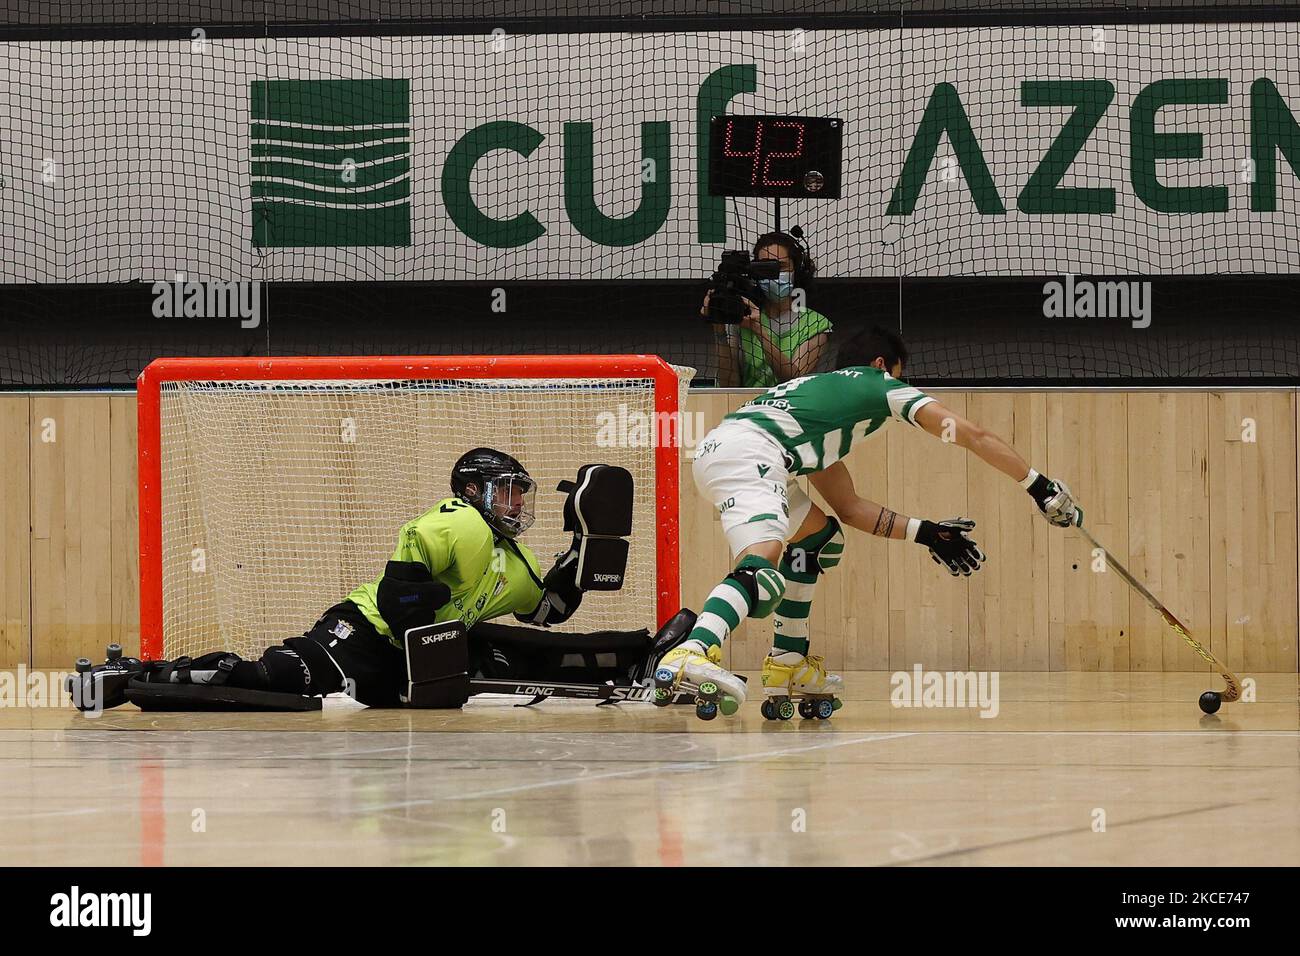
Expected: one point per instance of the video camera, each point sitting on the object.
(738, 278)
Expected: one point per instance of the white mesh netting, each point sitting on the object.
(278, 498)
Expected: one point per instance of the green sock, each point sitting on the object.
(724, 608)
(790, 624)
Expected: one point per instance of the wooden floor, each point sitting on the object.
(567, 783)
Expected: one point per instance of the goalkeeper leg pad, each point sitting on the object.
(437, 666)
(529, 653)
(205, 684)
(599, 513)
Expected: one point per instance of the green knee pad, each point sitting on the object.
(763, 583)
(818, 552)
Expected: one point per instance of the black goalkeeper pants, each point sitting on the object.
(346, 653)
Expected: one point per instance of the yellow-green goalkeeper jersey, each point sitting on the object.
(458, 547)
(817, 419)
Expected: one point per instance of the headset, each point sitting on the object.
(805, 267)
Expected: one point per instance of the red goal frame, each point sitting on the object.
(149, 438)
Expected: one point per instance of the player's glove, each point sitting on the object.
(950, 544)
(1053, 499)
(560, 593)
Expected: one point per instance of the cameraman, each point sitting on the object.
(778, 341)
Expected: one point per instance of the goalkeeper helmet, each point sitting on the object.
(498, 486)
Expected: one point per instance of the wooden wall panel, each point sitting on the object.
(1009, 596)
(1169, 530)
(1252, 502)
(929, 609)
(124, 524)
(1167, 479)
(72, 539)
(1089, 608)
(850, 616)
(15, 533)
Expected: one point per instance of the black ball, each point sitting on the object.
(1210, 701)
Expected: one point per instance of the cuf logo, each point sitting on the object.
(331, 162)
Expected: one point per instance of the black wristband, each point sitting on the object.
(1041, 489)
(927, 533)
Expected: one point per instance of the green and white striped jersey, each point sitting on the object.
(817, 419)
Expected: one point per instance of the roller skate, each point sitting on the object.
(792, 677)
(685, 669)
(96, 687)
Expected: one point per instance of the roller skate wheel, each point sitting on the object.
(113, 651)
(664, 677)
(706, 710)
(824, 709)
(768, 710)
(708, 691)
(807, 710)
(662, 697)
(728, 706)
(785, 709)
(84, 665)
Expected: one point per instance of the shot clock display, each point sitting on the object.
(795, 157)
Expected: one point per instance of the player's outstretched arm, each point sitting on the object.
(836, 486)
(1053, 498)
(949, 541)
(945, 424)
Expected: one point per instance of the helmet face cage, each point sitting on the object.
(508, 503)
(498, 486)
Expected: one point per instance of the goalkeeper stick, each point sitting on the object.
(1234, 686)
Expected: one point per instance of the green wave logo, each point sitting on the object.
(331, 162)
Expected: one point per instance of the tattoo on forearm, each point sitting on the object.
(885, 523)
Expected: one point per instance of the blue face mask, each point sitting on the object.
(780, 288)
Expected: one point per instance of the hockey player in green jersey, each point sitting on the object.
(781, 541)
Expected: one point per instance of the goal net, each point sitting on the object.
(270, 488)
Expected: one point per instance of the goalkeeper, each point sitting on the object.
(746, 466)
(458, 562)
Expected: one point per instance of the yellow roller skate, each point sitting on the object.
(792, 677)
(715, 688)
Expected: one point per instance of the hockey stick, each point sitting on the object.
(600, 693)
(1234, 686)
(641, 691)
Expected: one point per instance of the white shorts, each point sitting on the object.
(742, 471)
